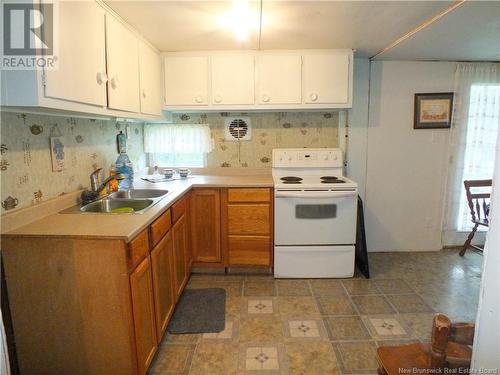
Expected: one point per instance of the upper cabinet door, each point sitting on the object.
(326, 78)
(233, 79)
(149, 79)
(81, 74)
(123, 66)
(186, 80)
(279, 79)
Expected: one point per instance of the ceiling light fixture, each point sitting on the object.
(240, 19)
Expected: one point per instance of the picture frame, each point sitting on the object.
(57, 153)
(433, 110)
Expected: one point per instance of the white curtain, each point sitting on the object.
(177, 139)
(473, 135)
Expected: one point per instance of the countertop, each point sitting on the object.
(126, 226)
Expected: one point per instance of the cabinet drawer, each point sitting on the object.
(244, 250)
(138, 248)
(178, 209)
(248, 195)
(160, 227)
(249, 219)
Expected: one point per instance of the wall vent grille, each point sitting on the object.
(238, 129)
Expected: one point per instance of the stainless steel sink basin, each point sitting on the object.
(138, 194)
(127, 201)
(118, 206)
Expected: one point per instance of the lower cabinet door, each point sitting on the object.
(249, 250)
(141, 287)
(205, 225)
(179, 236)
(162, 257)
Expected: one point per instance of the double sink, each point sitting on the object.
(126, 201)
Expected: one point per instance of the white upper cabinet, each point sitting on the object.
(149, 79)
(123, 66)
(233, 79)
(186, 80)
(81, 72)
(326, 78)
(278, 79)
(97, 69)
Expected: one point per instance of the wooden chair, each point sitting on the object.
(479, 210)
(449, 348)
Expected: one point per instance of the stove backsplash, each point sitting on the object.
(269, 130)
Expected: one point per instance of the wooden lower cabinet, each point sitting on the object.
(179, 234)
(162, 257)
(141, 287)
(247, 226)
(205, 225)
(181, 209)
(249, 250)
(249, 219)
(70, 303)
(105, 303)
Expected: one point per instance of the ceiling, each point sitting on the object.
(470, 32)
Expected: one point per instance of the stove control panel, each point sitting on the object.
(307, 157)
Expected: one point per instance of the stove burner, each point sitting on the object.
(292, 182)
(291, 179)
(333, 182)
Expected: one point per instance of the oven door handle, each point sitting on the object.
(314, 194)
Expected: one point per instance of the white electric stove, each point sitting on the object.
(315, 214)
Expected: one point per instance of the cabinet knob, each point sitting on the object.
(114, 82)
(198, 99)
(218, 99)
(144, 95)
(313, 97)
(265, 98)
(101, 78)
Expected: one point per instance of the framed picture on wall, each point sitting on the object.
(433, 110)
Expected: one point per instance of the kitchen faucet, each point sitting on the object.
(95, 189)
(94, 178)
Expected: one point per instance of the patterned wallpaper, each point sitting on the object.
(26, 164)
(269, 130)
(27, 167)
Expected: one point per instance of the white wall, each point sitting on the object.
(406, 168)
(486, 353)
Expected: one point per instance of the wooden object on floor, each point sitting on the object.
(449, 348)
(479, 209)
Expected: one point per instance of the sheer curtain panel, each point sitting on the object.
(177, 139)
(475, 123)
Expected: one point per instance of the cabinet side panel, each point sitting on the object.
(70, 304)
(19, 88)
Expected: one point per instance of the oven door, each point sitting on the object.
(320, 217)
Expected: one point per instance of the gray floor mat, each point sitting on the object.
(199, 311)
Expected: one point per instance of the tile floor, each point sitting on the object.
(325, 326)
